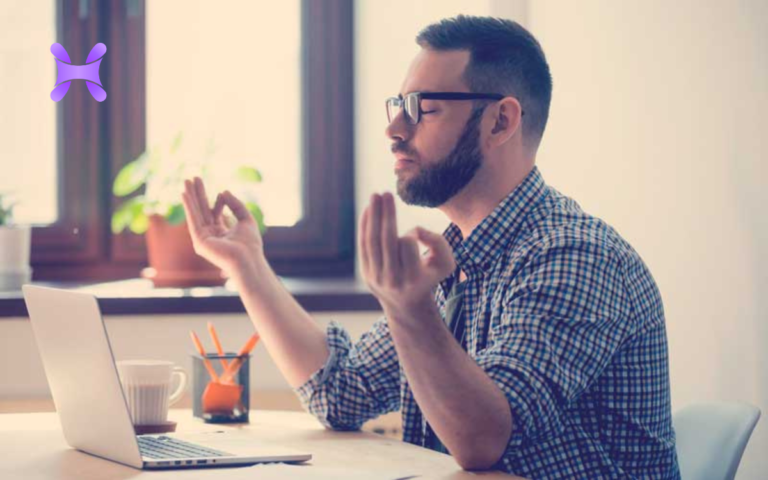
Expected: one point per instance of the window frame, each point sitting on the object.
(96, 139)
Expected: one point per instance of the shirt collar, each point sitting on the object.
(476, 253)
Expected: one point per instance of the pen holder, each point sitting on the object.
(220, 402)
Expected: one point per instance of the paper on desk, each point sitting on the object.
(282, 471)
(279, 471)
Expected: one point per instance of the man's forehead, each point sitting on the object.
(436, 71)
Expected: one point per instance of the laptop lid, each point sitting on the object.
(80, 367)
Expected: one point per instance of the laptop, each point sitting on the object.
(89, 399)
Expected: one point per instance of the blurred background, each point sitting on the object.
(657, 125)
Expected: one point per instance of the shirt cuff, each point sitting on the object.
(531, 404)
(339, 343)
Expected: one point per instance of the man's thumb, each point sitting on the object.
(424, 235)
(434, 241)
(440, 256)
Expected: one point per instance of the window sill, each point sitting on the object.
(139, 297)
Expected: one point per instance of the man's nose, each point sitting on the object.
(398, 128)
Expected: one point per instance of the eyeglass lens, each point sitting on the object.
(410, 103)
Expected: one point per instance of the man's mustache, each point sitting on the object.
(402, 147)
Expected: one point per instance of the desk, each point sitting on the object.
(32, 447)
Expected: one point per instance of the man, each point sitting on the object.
(531, 336)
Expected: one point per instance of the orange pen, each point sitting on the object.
(217, 344)
(207, 362)
(235, 365)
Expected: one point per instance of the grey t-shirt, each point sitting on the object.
(455, 321)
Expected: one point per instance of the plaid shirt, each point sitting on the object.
(564, 316)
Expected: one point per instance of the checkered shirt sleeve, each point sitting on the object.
(560, 326)
(358, 382)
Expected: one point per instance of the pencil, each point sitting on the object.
(235, 365)
(217, 344)
(206, 362)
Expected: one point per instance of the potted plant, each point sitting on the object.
(15, 244)
(159, 214)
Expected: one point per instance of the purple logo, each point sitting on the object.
(88, 72)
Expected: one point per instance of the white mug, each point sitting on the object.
(147, 387)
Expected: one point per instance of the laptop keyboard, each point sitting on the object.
(163, 447)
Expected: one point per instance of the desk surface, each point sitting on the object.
(33, 447)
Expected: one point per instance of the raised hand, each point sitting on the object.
(229, 244)
(399, 277)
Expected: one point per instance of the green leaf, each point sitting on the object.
(248, 174)
(175, 214)
(132, 176)
(127, 212)
(177, 142)
(139, 224)
(6, 212)
(258, 215)
(120, 219)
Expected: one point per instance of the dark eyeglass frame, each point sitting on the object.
(411, 103)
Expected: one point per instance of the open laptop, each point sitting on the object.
(86, 389)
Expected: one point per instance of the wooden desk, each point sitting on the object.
(32, 447)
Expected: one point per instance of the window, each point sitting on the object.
(272, 87)
(26, 33)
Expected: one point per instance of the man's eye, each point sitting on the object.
(427, 112)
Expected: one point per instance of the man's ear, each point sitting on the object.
(507, 115)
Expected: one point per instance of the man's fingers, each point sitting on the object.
(218, 210)
(440, 255)
(193, 216)
(218, 206)
(410, 259)
(192, 223)
(199, 212)
(238, 208)
(389, 240)
(374, 234)
(202, 202)
(364, 261)
(435, 241)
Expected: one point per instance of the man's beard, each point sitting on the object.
(435, 184)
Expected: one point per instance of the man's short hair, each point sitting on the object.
(504, 58)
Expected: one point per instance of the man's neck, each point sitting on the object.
(481, 196)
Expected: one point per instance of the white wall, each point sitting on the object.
(658, 126)
(166, 338)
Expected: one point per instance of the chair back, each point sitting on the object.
(711, 438)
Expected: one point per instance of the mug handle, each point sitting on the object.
(176, 395)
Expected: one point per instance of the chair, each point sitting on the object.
(711, 438)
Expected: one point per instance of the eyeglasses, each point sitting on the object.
(411, 103)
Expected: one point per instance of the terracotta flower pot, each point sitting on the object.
(172, 259)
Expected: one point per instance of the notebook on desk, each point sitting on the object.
(80, 367)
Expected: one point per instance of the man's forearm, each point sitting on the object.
(296, 343)
(468, 412)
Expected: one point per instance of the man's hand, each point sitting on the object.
(401, 279)
(296, 343)
(230, 245)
